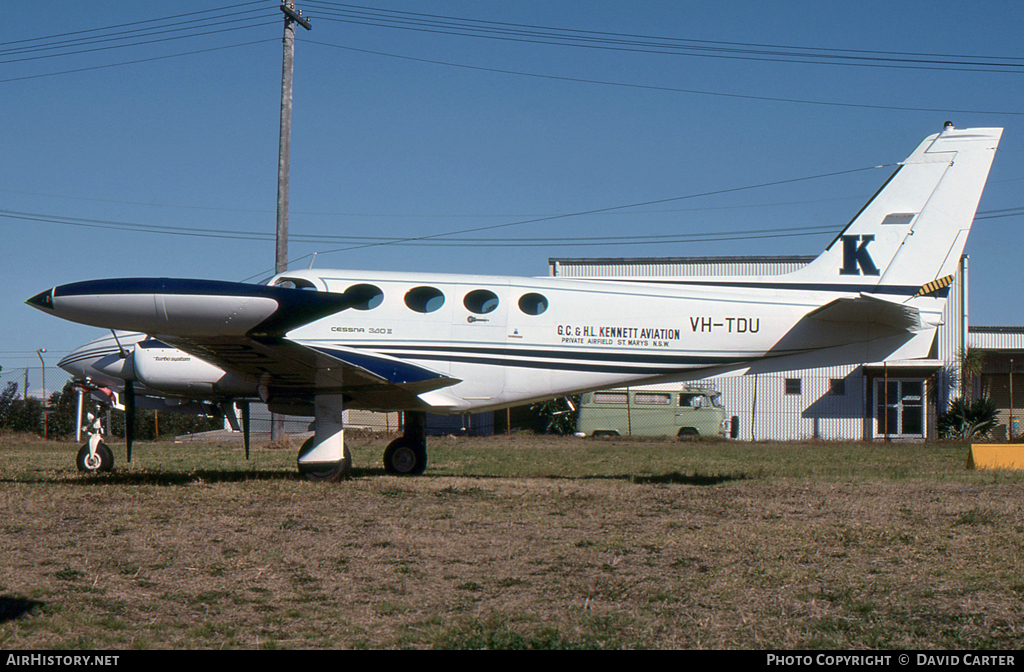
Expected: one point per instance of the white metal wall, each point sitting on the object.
(674, 267)
(997, 338)
(952, 336)
(767, 412)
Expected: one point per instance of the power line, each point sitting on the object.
(132, 34)
(649, 87)
(450, 241)
(407, 215)
(216, 31)
(525, 33)
(433, 239)
(206, 232)
(587, 212)
(211, 22)
(138, 60)
(132, 23)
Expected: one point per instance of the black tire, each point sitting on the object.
(405, 458)
(104, 460)
(604, 433)
(688, 433)
(322, 472)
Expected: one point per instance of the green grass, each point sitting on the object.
(515, 542)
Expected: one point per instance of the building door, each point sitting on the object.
(899, 408)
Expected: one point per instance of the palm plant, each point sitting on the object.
(972, 361)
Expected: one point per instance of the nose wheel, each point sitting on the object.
(102, 459)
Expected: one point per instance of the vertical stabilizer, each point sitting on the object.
(913, 231)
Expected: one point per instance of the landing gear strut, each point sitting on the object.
(324, 456)
(323, 471)
(407, 455)
(94, 455)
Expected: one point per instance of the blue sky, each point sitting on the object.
(401, 133)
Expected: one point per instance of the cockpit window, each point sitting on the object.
(481, 301)
(424, 299)
(365, 297)
(294, 283)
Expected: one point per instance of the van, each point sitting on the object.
(686, 412)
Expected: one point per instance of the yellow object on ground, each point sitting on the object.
(996, 456)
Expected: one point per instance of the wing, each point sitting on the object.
(290, 372)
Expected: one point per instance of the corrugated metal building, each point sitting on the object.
(894, 400)
(1001, 369)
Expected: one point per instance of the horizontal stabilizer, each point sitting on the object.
(869, 309)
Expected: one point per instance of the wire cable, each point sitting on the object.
(427, 23)
(205, 22)
(649, 87)
(583, 213)
(132, 23)
(138, 60)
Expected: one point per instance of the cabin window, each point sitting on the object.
(481, 301)
(837, 387)
(610, 397)
(424, 299)
(365, 297)
(533, 304)
(793, 386)
(652, 398)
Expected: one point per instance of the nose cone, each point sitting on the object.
(43, 301)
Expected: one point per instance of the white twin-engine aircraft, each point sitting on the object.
(315, 342)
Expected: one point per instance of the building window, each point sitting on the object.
(793, 386)
(837, 387)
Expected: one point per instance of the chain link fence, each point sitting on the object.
(35, 400)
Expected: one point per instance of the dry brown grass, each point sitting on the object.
(621, 550)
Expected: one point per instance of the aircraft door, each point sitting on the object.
(480, 321)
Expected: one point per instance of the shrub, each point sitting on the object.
(967, 419)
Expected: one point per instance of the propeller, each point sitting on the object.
(129, 416)
(245, 426)
(129, 398)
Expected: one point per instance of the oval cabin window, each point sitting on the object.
(424, 299)
(533, 304)
(481, 301)
(365, 297)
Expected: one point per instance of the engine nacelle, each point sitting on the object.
(172, 371)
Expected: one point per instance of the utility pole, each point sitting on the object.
(40, 352)
(291, 17)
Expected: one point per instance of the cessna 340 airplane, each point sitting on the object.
(315, 342)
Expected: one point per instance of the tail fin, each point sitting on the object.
(909, 237)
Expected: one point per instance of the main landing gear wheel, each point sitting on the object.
(323, 471)
(103, 460)
(405, 457)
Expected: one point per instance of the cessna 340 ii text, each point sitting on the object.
(315, 342)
